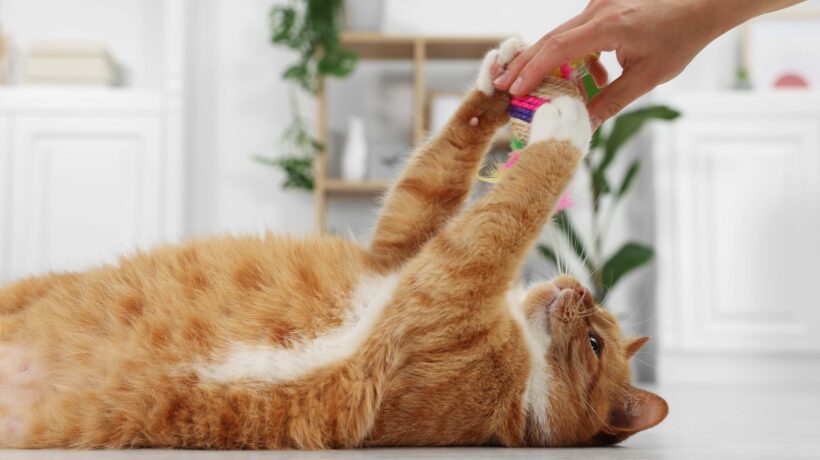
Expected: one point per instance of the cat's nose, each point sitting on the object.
(584, 294)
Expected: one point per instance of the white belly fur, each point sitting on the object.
(267, 363)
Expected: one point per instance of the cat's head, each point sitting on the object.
(590, 399)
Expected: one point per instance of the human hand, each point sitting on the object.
(653, 40)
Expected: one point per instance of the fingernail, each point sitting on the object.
(516, 86)
(501, 79)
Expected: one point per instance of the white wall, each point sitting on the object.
(126, 27)
(238, 107)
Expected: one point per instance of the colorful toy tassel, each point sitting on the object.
(561, 82)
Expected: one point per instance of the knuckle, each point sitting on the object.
(554, 44)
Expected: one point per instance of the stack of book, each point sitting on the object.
(85, 63)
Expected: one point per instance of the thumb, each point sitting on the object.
(617, 95)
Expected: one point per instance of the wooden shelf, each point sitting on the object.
(377, 46)
(418, 50)
(343, 186)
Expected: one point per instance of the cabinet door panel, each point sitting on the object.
(84, 190)
(739, 236)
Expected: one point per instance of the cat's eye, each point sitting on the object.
(596, 345)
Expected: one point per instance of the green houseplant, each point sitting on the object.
(312, 29)
(606, 193)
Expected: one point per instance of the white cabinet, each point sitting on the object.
(738, 206)
(87, 175)
(84, 189)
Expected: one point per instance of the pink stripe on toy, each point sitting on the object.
(525, 101)
(515, 155)
(533, 99)
(525, 105)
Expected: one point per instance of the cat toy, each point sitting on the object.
(562, 82)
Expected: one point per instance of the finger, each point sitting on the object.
(522, 59)
(598, 73)
(617, 95)
(556, 51)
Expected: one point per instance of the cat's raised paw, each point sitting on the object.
(563, 118)
(495, 62)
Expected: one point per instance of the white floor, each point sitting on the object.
(704, 423)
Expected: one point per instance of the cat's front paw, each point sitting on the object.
(495, 62)
(563, 118)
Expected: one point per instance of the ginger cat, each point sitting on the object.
(422, 339)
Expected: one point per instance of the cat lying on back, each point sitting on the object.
(422, 339)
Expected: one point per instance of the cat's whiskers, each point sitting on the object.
(591, 409)
(641, 305)
(644, 362)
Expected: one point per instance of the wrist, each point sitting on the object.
(720, 16)
(724, 15)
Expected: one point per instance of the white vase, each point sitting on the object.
(354, 158)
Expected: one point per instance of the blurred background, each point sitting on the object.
(128, 123)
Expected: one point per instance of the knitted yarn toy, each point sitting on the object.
(562, 82)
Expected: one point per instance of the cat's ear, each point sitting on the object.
(634, 345)
(640, 411)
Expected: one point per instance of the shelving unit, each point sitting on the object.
(374, 46)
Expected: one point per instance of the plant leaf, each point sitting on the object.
(590, 86)
(596, 140)
(629, 257)
(628, 124)
(295, 72)
(548, 253)
(599, 183)
(282, 20)
(338, 63)
(565, 225)
(298, 170)
(629, 178)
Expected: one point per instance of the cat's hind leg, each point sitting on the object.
(439, 176)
